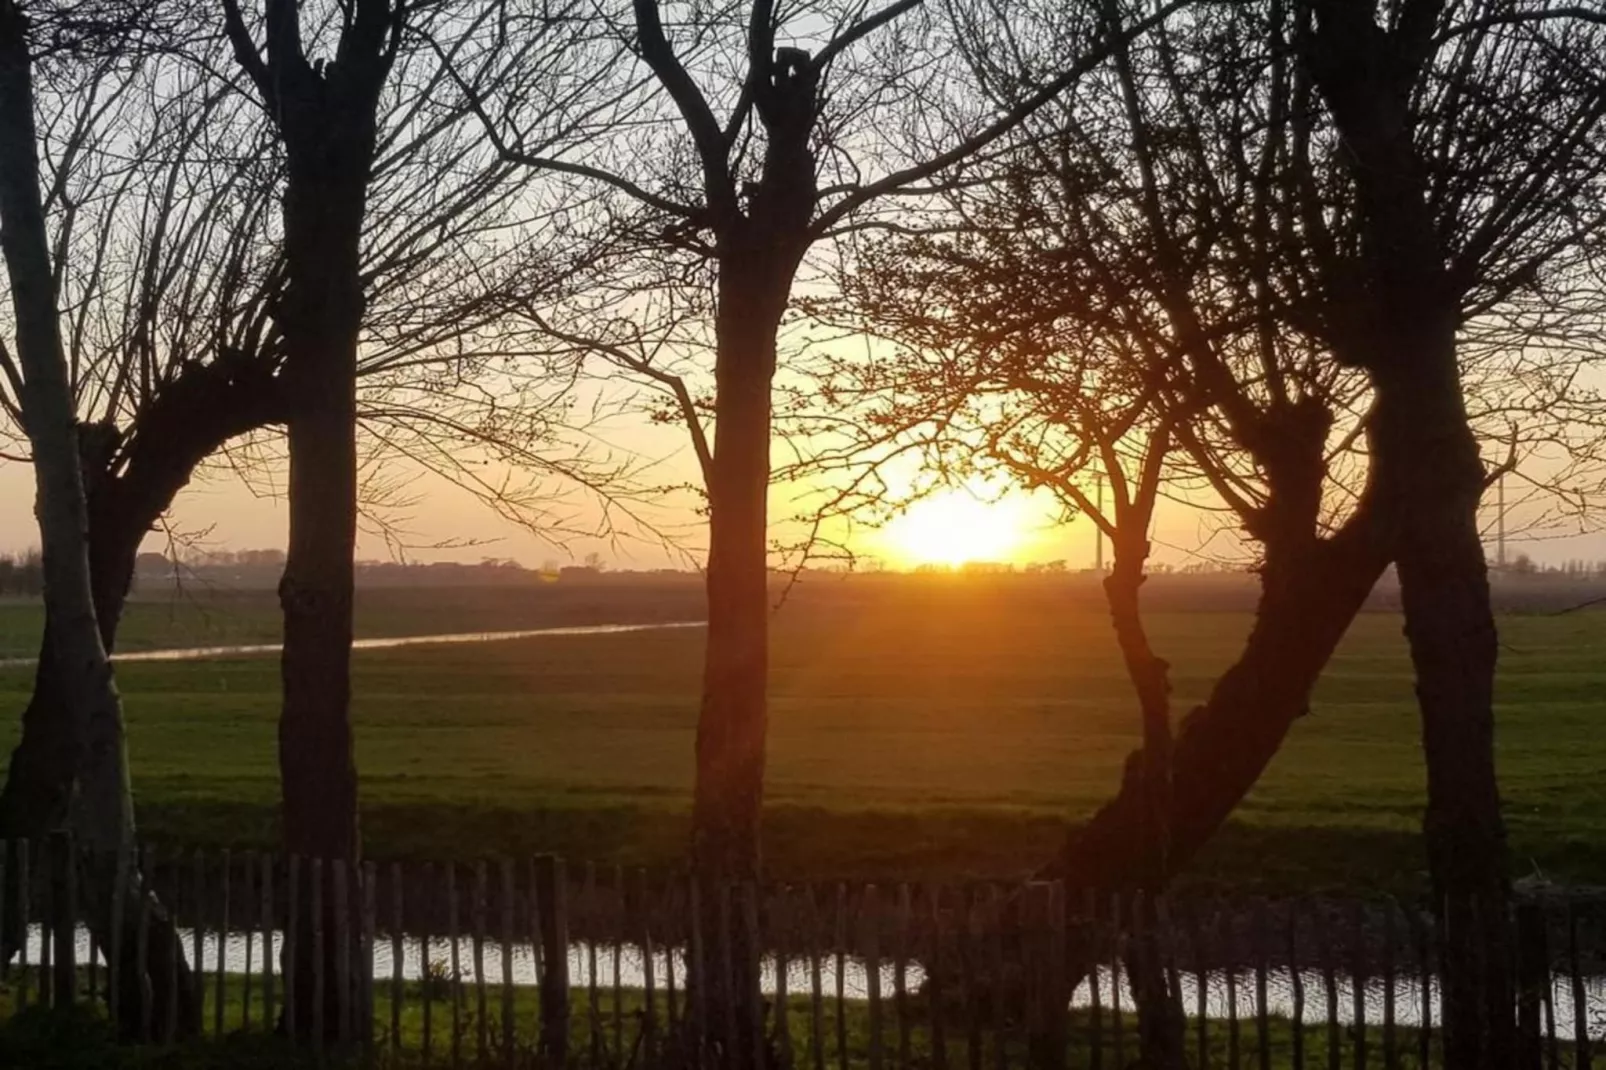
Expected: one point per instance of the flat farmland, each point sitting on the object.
(923, 726)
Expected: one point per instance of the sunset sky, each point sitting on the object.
(443, 522)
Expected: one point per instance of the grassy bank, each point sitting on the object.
(82, 1040)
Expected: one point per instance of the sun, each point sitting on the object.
(953, 527)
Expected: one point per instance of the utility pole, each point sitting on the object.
(1500, 522)
(1098, 532)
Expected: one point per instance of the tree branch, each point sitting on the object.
(860, 30)
(694, 111)
(993, 131)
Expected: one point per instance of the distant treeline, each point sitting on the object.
(262, 568)
(22, 574)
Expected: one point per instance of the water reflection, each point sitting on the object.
(1221, 994)
(201, 653)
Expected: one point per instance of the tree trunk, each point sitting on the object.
(1427, 464)
(1160, 1016)
(39, 785)
(100, 810)
(317, 764)
(1308, 598)
(189, 419)
(732, 722)
(1430, 478)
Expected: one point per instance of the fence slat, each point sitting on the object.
(816, 993)
(1166, 943)
(673, 935)
(268, 1007)
(649, 1032)
(965, 938)
(1581, 1050)
(198, 905)
(1059, 1008)
(1045, 1037)
(455, 982)
(934, 981)
(1420, 923)
(224, 870)
(780, 920)
(552, 889)
(700, 970)
(870, 926)
(318, 994)
(589, 912)
(24, 907)
(1324, 952)
(46, 974)
(1552, 1040)
(617, 931)
(173, 952)
(92, 967)
(1532, 971)
(508, 936)
(7, 871)
(1201, 991)
(340, 877)
(292, 925)
(64, 923)
(428, 975)
(1262, 940)
(249, 870)
(1296, 986)
(752, 948)
(477, 911)
(900, 994)
(1358, 980)
(1391, 1056)
(995, 969)
(142, 945)
(535, 935)
(840, 948)
(365, 966)
(398, 960)
(1117, 964)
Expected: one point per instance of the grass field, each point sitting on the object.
(82, 1040)
(918, 728)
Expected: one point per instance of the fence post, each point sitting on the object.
(142, 944)
(1582, 1056)
(508, 937)
(552, 895)
(64, 922)
(1047, 1008)
(24, 895)
(266, 864)
(365, 1002)
(870, 925)
(1533, 974)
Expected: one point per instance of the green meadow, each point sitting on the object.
(919, 727)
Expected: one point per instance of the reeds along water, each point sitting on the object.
(504, 963)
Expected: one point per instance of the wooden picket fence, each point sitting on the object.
(534, 963)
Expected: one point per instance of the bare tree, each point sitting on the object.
(326, 113)
(101, 807)
(1182, 254)
(755, 163)
(1460, 197)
